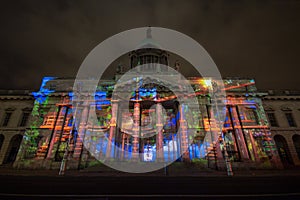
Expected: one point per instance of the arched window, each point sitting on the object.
(13, 149)
(25, 116)
(283, 150)
(272, 119)
(24, 119)
(296, 141)
(7, 116)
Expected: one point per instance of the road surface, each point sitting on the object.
(149, 187)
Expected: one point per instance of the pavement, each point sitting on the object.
(7, 170)
(185, 183)
(82, 186)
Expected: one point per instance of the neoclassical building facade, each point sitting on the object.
(245, 132)
(149, 121)
(283, 111)
(15, 111)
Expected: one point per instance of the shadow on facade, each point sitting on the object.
(13, 149)
(296, 141)
(283, 151)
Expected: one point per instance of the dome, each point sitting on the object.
(148, 42)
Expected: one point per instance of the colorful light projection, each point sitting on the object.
(246, 132)
(30, 140)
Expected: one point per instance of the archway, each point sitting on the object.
(296, 141)
(1, 141)
(13, 149)
(283, 150)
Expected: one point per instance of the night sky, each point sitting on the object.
(256, 39)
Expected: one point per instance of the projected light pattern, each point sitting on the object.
(52, 133)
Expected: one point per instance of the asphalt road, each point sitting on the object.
(160, 187)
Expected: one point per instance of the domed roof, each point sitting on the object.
(148, 42)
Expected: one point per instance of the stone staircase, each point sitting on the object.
(176, 169)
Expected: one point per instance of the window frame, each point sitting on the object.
(275, 124)
(291, 123)
(6, 119)
(21, 122)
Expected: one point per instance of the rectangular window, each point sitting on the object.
(290, 119)
(251, 116)
(6, 119)
(272, 119)
(24, 119)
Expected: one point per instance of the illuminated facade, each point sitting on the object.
(53, 137)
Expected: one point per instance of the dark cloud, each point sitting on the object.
(257, 39)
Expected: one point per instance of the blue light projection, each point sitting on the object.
(43, 93)
(148, 93)
(101, 99)
(145, 93)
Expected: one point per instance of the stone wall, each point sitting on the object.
(17, 103)
(280, 103)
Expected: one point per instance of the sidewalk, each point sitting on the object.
(264, 173)
(201, 173)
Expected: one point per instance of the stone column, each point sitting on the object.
(52, 140)
(183, 134)
(112, 129)
(61, 132)
(159, 133)
(123, 146)
(118, 138)
(241, 142)
(254, 149)
(83, 118)
(136, 130)
(216, 137)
